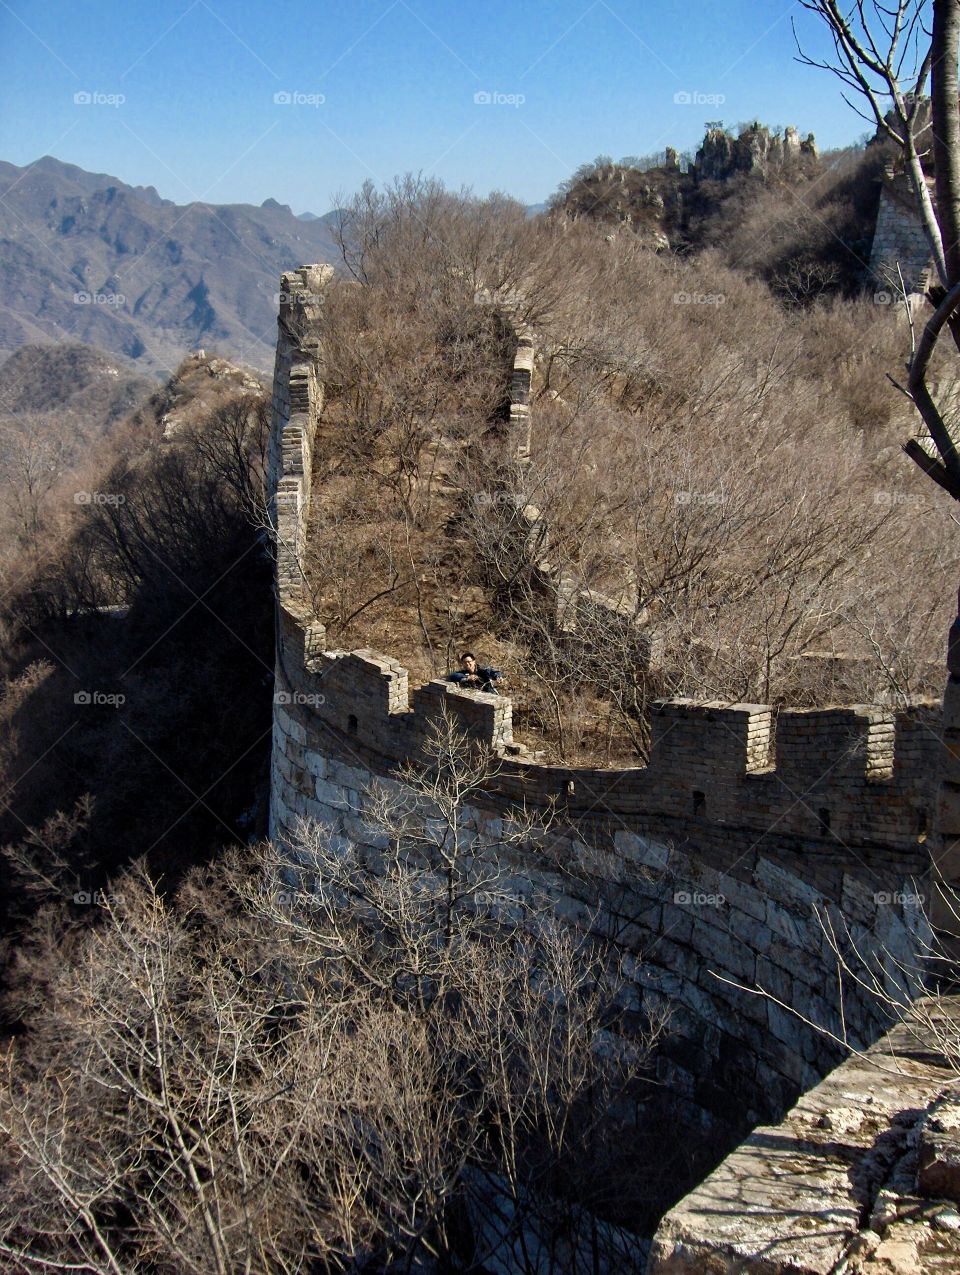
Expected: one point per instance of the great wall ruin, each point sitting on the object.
(900, 252)
(711, 870)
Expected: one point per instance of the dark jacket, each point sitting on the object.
(486, 675)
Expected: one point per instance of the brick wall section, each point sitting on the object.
(686, 903)
(859, 780)
(898, 238)
(296, 406)
(520, 390)
(704, 869)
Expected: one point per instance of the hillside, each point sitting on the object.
(768, 202)
(86, 257)
(126, 615)
(721, 468)
(78, 383)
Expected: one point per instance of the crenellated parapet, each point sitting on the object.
(706, 870)
(296, 406)
(841, 779)
(521, 385)
(900, 249)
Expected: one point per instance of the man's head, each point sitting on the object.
(468, 662)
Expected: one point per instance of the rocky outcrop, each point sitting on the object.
(756, 150)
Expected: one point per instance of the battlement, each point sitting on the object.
(703, 870)
(297, 402)
(840, 777)
(900, 249)
(843, 776)
(521, 384)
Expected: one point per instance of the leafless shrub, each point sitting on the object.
(340, 1066)
(719, 467)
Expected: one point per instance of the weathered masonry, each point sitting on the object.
(900, 248)
(709, 869)
(863, 1175)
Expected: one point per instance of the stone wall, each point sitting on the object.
(862, 1177)
(832, 785)
(520, 389)
(296, 405)
(708, 870)
(898, 239)
(686, 905)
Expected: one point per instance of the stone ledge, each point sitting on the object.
(819, 1193)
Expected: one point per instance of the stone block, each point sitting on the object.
(774, 979)
(651, 854)
(316, 763)
(724, 953)
(289, 725)
(677, 922)
(784, 923)
(743, 897)
(948, 811)
(785, 887)
(330, 794)
(938, 1164)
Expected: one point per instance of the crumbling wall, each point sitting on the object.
(722, 865)
(898, 240)
(862, 1175)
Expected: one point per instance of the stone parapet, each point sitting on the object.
(835, 1186)
(848, 779)
(720, 866)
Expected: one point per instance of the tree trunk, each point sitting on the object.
(946, 154)
(928, 214)
(946, 131)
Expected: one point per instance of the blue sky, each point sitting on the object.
(183, 91)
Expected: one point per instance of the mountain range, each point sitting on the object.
(86, 257)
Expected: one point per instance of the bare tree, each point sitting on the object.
(309, 1059)
(885, 52)
(32, 463)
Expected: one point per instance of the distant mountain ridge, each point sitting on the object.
(87, 257)
(94, 181)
